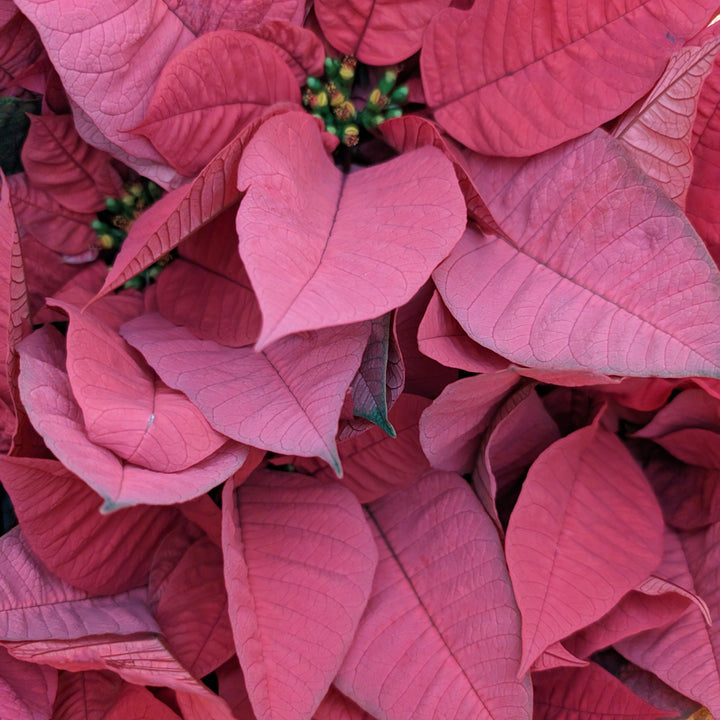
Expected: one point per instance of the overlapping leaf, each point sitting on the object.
(578, 539)
(346, 247)
(581, 280)
(299, 565)
(208, 91)
(508, 78)
(377, 32)
(286, 399)
(441, 612)
(27, 691)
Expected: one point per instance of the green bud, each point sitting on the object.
(135, 282)
(154, 190)
(113, 206)
(100, 227)
(393, 113)
(332, 67)
(314, 84)
(400, 94)
(387, 82)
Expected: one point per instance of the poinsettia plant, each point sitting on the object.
(361, 360)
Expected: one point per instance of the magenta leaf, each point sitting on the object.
(451, 427)
(657, 132)
(556, 656)
(578, 540)
(515, 79)
(374, 464)
(201, 101)
(20, 46)
(53, 410)
(440, 636)
(335, 706)
(61, 522)
(203, 16)
(286, 399)
(345, 247)
(186, 592)
(547, 298)
(586, 693)
(180, 213)
(27, 691)
(58, 161)
(299, 564)
(377, 32)
(207, 290)
(381, 376)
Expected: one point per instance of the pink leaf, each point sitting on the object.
(27, 691)
(187, 595)
(519, 432)
(180, 213)
(335, 706)
(441, 338)
(300, 48)
(690, 408)
(685, 654)
(20, 45)
(47, 395)
(286, 399)
(58, 161)
(578, 540)
(61, 521)
(451, 427)
(657, 132)
(347, 247)
(586, 693)
(375, 464)
(39, 214)
(377, 32)
(206, 706)
(557, 656)
(299, 563)
(700, 206)
(201, 101)
(440, 636)
(585, 283)
(38, 606)
(515, 79)
(410, 132)
(124, 408)
(207, 289)
(204, 16)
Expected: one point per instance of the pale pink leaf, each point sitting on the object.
(286, 399)
(375, 464)
(207, 15)
(585, 693)
(585, 282)
(451, 428)
(27, 692)
(53, 410)
(441, 338)
(61, 522)
(441, 633)
(58, 161)
(511, 78)
(201, 100)
(657, 131)
(556, 656)
(578, 540)
(377, 32)
(124, 407)
(206, 706)
(299, 564)
(180, 213)
(187, 594)
(347, 247)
